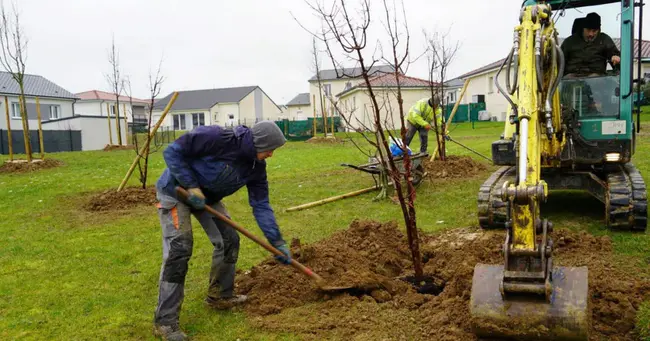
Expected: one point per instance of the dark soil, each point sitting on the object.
(22, 166)
(374, 257)
(127, 198)
(111, 147)
(454, 167)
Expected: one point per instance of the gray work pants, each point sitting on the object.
(424, 136)
(177, 242)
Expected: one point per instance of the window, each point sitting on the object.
(112, 110)
(179, 122)
(231, 116)
(198, 119)
(15, 110)
(327, 89)
(55, 112)
(591, 96)
(348, 85)
(490, 85)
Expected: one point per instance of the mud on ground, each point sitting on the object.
(22, 166)
(325, 140)
(127, 198)
(372, 255)
(111, 147)
(454, 166)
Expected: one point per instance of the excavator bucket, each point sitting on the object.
(565, 317)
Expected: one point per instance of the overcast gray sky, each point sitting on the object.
(210, 44)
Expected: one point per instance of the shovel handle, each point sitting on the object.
(255, 238)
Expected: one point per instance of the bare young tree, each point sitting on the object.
(13, 57)
(348, 35)
(116, 84)
(316, 68)
(155, 83)
(441, 53)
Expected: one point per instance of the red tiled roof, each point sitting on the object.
(107, 96)
(389, 81)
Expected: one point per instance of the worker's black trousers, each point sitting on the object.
(424, 136)
(177, 243)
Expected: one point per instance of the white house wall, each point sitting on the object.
(98, 108)
(337, 86)
(256, 105)
(222, 112)
(66, 110)
(300, 112)
(94, 130)
(359, 110)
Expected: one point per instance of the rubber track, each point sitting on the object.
(492, 212)
(627, 198)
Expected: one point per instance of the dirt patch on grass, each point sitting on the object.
(455, 166)
(374, 256)
(325, 140)
(111, 147)
(22, 166)
(127, 198)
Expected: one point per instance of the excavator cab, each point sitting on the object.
(562, 132)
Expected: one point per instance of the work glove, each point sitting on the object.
(287, 258)
(196, 198)
(427, 127)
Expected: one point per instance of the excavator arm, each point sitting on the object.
(527, 297)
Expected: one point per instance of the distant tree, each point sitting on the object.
(441, 53)
(116, 84)
(14, 48)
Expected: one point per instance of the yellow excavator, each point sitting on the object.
(573, 132)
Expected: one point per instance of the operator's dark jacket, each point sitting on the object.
(585, 58)
(220, 161)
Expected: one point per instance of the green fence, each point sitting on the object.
(465, 112)
(303, 129)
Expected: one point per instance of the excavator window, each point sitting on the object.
(591, 97)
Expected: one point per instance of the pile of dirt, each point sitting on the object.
(22, 166)
(374, 256)
(322, 139)
(111, 147)
(127, 198)
(454, 167)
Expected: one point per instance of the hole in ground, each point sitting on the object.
(426, 284)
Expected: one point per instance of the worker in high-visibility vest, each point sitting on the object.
(419, 120)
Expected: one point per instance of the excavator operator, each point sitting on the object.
(587, 50)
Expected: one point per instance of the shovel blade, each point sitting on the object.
(565, 317)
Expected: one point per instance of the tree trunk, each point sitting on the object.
(23, 116)
(9, 139)
(117, 120)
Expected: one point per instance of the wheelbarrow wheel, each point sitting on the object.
(418, 175)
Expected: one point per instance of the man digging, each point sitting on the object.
(211, 162)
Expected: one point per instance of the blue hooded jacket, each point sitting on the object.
(220, 161)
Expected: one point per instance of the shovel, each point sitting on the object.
(305, 270)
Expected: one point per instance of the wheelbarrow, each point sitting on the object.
(375, 167)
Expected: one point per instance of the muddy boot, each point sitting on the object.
(169, 332)
(224, 303)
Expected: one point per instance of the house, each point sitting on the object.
(358, 107)
(55, 102)
(58, 114)
(226, 106)
(299, 108)
(99, 103)
(452, 89)
(481, 86)
(335, 81)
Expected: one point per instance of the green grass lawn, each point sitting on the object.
(69, 274)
